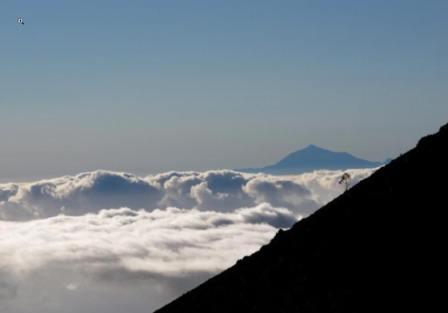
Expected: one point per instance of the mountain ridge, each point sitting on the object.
(312, 158)
(377, 247)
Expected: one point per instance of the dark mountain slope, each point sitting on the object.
(314, 158)
(377, 248)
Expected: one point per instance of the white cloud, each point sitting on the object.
(61, 252)
(162, 242)
(120, 246)
(213, 190)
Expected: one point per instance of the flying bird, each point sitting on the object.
(20, 21)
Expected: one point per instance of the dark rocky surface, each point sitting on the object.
(379, 247)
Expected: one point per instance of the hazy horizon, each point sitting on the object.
(151, 86)
(142, 172)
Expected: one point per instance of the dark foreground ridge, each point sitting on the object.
(377, 248)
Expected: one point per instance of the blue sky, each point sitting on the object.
(149, 86)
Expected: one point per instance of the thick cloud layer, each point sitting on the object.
(120, 248)
(169, 242)
(66, 246)
(213, 190)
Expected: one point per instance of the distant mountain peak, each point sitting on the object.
(313, 157)
(312, 148)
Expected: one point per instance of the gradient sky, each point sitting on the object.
(149, 86)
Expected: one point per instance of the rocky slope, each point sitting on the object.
(377, 248)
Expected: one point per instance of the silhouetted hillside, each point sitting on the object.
(377, 248)
(314, 158)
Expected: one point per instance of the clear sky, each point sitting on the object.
(149, 86)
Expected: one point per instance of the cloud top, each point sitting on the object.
(221, 190)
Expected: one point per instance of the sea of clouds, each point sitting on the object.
(114, 242)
